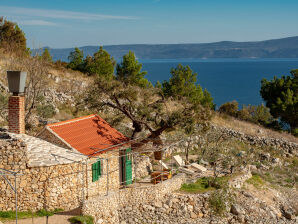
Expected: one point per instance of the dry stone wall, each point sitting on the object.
(105, 208)
(287, 146)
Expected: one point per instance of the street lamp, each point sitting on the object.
(16, 82)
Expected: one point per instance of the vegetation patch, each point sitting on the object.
(219, 201)
(85, 219)
(282, 175)
(256, 181)
(205, 184)
(200, 186)
(11, 215)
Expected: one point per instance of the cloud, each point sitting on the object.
(36, 23)
(59, 14)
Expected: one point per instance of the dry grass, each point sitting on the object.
(8, 62)
(250, 128)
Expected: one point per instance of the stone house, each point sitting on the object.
(66, 164)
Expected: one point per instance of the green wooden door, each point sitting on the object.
(128, 168)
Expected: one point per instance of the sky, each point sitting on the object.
(76, 23)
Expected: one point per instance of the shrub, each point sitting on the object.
(200, 186)
(256, 114)
(11, 215)
(205, 184)
(230, 108)
(219, 182)
(44, 212)
(81, 220)
(256, 181)
(3, 105)
(217, 202)
(46, 111)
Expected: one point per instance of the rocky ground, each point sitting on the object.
(247, 207)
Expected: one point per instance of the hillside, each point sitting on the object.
(264, 162)
(276, 48)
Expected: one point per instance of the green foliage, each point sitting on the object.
(46, 111)
(219, 182)
(183, 84)
(12, 38)
(129, 71)
(145, 107)
(281, 96)
(81, 220)
(101, 64)
(76, 59)
(46, 56)
(43, 212)
(11, 215)
(200, 186)
(3, 105)
(256, 114)
(256, 181)
(282, 175)
(158, 85)
(3, 101)
(205, 184)
(230, 108)
(217, 201)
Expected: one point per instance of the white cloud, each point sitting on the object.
(58, 14)
(36, 23)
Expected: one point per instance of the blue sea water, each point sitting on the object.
(225, 79)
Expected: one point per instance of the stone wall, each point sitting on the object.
(49, 187)
(105, 208)
(238, 181)
(49, 136)
(143, 166)
(287, 146)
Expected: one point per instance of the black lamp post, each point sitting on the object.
(16, 82)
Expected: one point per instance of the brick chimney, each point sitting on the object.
(16, 102)
(16, 114)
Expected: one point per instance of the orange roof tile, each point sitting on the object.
(88, 134)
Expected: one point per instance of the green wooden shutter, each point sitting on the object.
(128, 168)
(94, 172)
(98, 169)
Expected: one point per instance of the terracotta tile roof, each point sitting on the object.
(87, 134)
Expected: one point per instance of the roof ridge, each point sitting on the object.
(71, 120)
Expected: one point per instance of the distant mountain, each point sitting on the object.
(277, 48)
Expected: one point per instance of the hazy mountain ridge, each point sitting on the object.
(276, 48)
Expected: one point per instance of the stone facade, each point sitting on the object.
(64, 185)
(105, 208)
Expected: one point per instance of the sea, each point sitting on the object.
(226, 79)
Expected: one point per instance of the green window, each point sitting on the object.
(96, 171)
